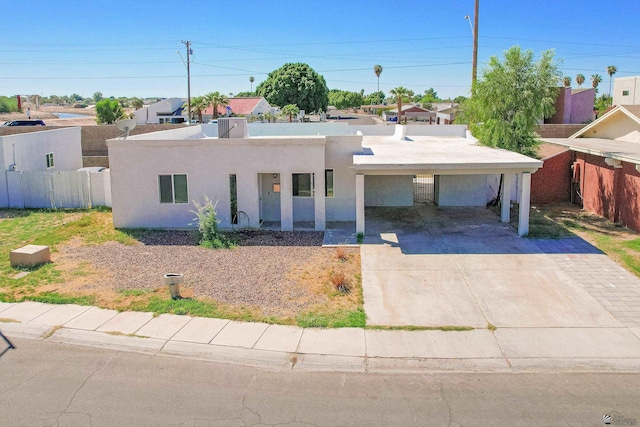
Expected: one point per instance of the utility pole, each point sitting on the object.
(474, 67)
(188, 45)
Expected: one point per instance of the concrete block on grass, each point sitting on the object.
(30, 256)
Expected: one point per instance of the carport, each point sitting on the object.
(460, 165)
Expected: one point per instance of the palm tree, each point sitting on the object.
(290, 110)
(217, 100)
(567, 81)
(400, 92)
(378, 70)
(611, 70)
(595, 80)
(198, 105)
(137, 103)
(268, 116)
(251, 80)
(580, 80)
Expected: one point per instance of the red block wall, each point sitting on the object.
(612, 193)
(552, 182)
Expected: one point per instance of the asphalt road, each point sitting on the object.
(49, 384)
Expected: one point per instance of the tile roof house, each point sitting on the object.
(247, 107)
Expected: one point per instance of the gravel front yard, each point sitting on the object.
(276, 273)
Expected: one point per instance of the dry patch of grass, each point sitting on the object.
(339, 279)
(276, 278)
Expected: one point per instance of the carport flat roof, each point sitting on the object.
(441, 154)
(620, 150)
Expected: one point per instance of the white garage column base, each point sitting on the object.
(525, 204)
(506, 197)
(360, 203)
(286, 202)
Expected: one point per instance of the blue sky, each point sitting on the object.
(129, 48)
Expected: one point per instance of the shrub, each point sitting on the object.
(340, 281)
(341, 253)
(208, 222)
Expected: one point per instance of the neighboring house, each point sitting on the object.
(411, 113)
(27, 157)
(168, 110)
(626, 90)
(319, 173)
(573, 106)
(446, 116)
(254, 106)
(445, 112)
(598, 169)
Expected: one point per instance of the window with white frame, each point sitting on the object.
(173, 188)
(50, 160)
(328, 183)
(302, 184)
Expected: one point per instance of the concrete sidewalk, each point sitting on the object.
(280, 347)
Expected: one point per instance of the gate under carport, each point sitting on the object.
(423, 186)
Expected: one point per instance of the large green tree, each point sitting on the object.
(374, 98)
(245, 94)
(109, 111)
(430, 96)
(295, 83)
(343, 99)
(510, 99)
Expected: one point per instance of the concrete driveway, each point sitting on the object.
(430, 266)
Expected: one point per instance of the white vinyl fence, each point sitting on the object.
(58, 189)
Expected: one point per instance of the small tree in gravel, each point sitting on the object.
(208, 225)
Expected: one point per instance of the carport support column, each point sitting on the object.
(360, 203)
(286, 202)
(525, 204)
(505, 196)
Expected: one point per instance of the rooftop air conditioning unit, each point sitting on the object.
(232, 128)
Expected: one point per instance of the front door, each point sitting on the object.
(269, 197)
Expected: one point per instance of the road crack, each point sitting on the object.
(75, 393)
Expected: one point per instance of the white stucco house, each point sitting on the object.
(302, 175)
(626, 90)
(45, 151)
(165, 111)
